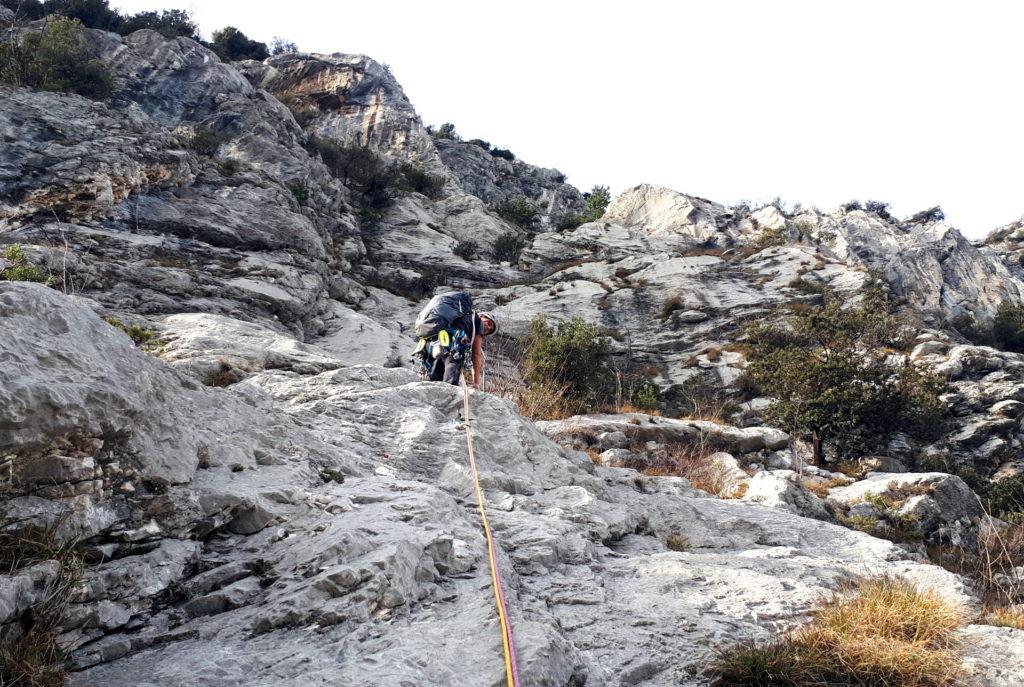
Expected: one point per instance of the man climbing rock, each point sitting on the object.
(449, 328)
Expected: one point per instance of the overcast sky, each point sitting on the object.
(914, 103)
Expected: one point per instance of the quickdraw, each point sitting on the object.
(511, 669)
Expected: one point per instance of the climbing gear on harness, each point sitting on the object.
(511, 669)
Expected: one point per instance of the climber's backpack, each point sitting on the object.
(442, 312)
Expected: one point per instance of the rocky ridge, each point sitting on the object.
(262, 485)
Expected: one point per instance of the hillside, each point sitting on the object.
(261, 490)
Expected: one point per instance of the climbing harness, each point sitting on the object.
(511, 669)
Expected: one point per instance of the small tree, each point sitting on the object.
(417, 179)
(231, 45)
(96, 14)
(55, 59)
(597, 202)
(829, 371)
(572, 356)
(20, 269)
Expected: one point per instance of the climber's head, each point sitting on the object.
(488, 324)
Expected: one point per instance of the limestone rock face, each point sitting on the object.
(494, 179)
(264, 564)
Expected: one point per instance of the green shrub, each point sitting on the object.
(143, 338)
(229, 167)
(645, 396)
(446, 131)
(1008, 328)
(467, 250)
(96, 14)
(481, 143)
(828, 369)
(57, 58)
(597, 199)
(771, 237)
(503, 153)
(170, 23)
(418, 180)
(20, 269)
(206, 141)
(1005, 498)
(300, 191)
(280, 46)
(571, 355)
(25, 10)
(361, 169)
(520, 211)
(508, 248)
(232, 45)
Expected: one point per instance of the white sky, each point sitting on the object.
(914, 103)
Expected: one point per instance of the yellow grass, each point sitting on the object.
(885, 633)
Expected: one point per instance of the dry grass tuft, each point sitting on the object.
(820, 488)
(887, 633)
(693, 461)
(1011, 616)
(34, 658)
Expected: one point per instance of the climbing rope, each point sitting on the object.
(511, 670)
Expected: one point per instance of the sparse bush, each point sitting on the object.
(508, 248)
(1012, 616)
(300, 191)
(520, 211)
(1005, 498)
(933, 214)
(280, 46)
(886, 633)
(417, 179)
(569, 221)
(143, 338)
(229, 167)
(58, 58)
(467, 250)
(771, 237)
(446, 132)
(571, 355)
(303, 111)
(232, 45)
(672, 304)
(853, 205)
(879, 208)
(206, 141)
(1008, 327)
(359, 168)
(503, 153)
(35, 659)
(645, 396)
(20, 269)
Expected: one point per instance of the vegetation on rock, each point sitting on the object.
(830, 369)
(58, 58)
(886, 633)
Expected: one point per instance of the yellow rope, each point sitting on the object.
(511, 670)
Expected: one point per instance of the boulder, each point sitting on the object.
(783, 489)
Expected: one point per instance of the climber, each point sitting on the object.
(448, 328)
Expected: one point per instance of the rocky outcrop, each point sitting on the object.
(495, 179)
(228, 569)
